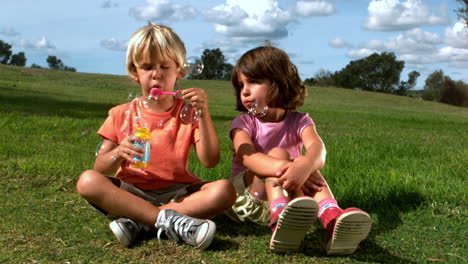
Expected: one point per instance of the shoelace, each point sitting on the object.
(248, 202)
(175, 226)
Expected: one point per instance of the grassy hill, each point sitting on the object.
(401, 159)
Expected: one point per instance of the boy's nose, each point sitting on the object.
(156, 74)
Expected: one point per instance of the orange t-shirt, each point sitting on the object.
(170, 144)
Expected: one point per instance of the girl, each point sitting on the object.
(268, 138)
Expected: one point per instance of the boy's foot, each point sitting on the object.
(126, 230)
(195, 232)
(293, 222)
(345, 229)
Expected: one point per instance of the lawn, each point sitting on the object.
(403, 160)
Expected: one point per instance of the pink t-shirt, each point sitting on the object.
(266, 136)
(170, 144)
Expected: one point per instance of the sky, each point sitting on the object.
(91, 35)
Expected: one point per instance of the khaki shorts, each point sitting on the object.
(156, 197)
(246, 206)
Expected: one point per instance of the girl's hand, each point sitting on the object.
(197, 97)
(314, 184)
(294, 174)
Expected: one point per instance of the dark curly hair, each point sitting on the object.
(273, 64)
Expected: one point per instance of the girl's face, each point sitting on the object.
(160, 74)
(253, 91)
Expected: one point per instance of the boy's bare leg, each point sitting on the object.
(211, 200)
(100, 191)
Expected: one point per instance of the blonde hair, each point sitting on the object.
(155, 41)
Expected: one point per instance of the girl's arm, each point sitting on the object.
(208, 146)
(295, 174)
(259, 163)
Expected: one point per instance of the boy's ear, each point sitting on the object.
(135, 78)
(179, 75)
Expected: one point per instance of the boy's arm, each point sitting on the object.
(208, 146)
(259, 163)
(295, 174)
(110, 155)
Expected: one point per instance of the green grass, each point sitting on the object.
(403, 160)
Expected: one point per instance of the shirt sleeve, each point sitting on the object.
(242, 122)
(107, 130)
(304, 121)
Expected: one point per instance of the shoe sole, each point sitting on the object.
(119, 234)
(293, 223)
(210, 234)
(350, 229)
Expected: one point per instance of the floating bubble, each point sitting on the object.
(258, 111)
(194, 66)
(190, 114)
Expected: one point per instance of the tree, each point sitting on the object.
(215, 66)
(323, 78)
(463, 12)
(18, 59)
(377, 72)
(433, 86)
(442, 88)
(57, 64)
(404, 87)
(5, 52)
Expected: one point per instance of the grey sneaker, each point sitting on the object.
(195, 232)
(126, 230)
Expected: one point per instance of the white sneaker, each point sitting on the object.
(195, 232)
(126, 230)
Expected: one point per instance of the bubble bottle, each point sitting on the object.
(143, 139)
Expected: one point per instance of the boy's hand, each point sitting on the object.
(128, 150)
(197, 97)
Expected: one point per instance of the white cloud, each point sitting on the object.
(393, 15)
(162, 10)
(338, 43)
(114, 44)
(43, 45)
(457, 36)
(8, 31)
(314, 8)
(252, 20)
(360, 53)
(412, 41)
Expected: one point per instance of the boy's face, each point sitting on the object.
(159, 74)
(253, 91)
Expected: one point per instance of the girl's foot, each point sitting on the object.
(345, 229)
(290, 224)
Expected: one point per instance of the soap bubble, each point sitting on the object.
(194, 66)
(189, 114)
(258, 111)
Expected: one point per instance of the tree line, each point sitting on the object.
(381, 73)
(20, 59)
